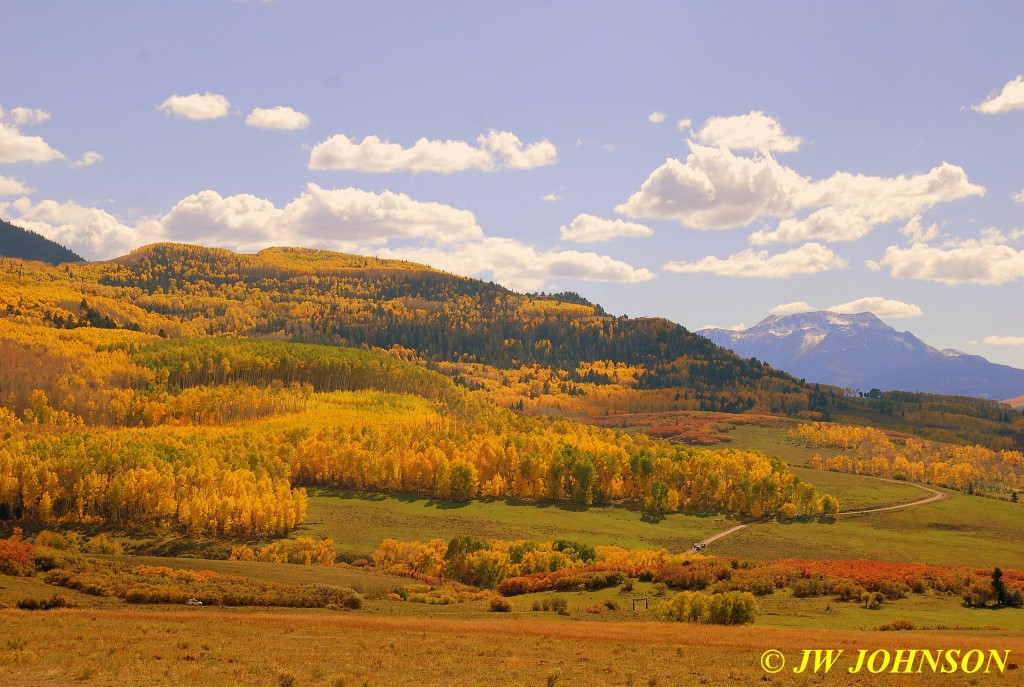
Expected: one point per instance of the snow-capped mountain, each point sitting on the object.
(861, 352)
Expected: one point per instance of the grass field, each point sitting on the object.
(217, 648)
(359, 522)
(856, 492)
(108, 642)
(773, 441)
(960, 529)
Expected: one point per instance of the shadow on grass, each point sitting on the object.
(802, 520)
(511, 502)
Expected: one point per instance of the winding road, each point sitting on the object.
(934, 495)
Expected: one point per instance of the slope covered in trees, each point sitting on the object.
(469, 329)
(549, 353)
(196, 389)
(16, 242)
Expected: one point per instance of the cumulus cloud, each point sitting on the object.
(855, 204)
(337, 219)
(494, 150)
(1010, 98)
(17, 147)
(20, 116)
(1019, 196)
(882, 307)
(384, 224)
(196, 106)
(9, 186)
(551, 197)
(810, 258)
(684, 124)
(985, 260)
(88, 159)
(752, 131)
(791, 308)
(716, 189)
(917, 233)
(656, 117)
(520, 266)
(590, 229)
(92, 233)
(280, 117)
(1004, 340)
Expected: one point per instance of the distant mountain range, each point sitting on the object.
(16, 242)
(861, 352)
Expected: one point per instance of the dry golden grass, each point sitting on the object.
(295, 648)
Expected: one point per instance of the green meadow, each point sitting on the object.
(358, 522)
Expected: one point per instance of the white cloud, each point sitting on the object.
(827, 224)
(715, 189)
(918, 234)
(551, 197)
(9, 186)
(17, 147)
(1010, 98)
(20, 116)
(882, 307)
(971, 261)
(495, 150)
(358, 221)
(196, 106)
(740, 327)
(853, 205)
(792, 308)
(1019, 196)
(90, 232)
(684, 124)
(520, 266)
(810, 258)
(347, 219)
(1004, 340)
(656, 117)
(590, 229)
(88, 159)
(280, 117)
(337, 219)
(753, 131)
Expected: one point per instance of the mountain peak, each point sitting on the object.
(859, 350)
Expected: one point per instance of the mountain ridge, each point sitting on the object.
(860, 351)
(16, 242)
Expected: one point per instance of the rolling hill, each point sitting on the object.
(546, 354)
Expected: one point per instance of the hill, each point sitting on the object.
(860, 351)
(534, 350)
(547, 354)
(16, 242)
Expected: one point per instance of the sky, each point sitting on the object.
(709, 162)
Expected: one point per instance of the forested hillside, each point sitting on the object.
(475, 331)
(553, 354)
(199, 390)
(16, 242)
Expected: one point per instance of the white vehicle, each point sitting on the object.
(193, 602)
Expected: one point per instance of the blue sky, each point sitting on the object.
(712, 163)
